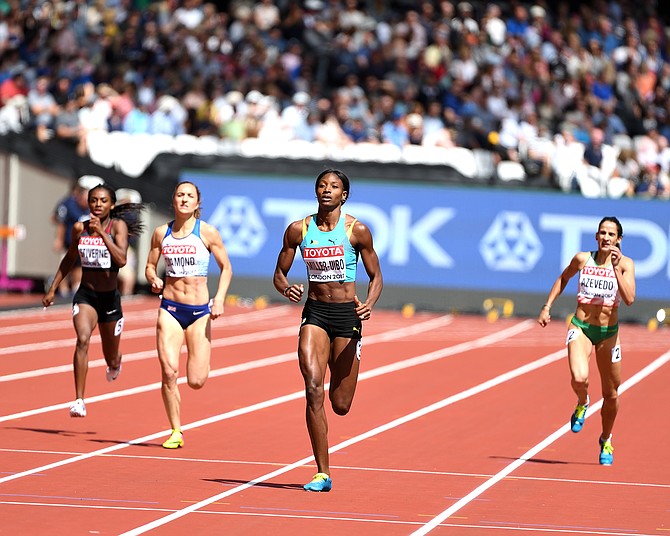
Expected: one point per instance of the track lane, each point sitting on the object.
(312, 511)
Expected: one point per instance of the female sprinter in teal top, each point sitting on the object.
(330, 331)
(606, 277)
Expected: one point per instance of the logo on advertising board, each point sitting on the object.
(511, 244)
(240, 225)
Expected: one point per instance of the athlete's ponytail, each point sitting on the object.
(128, 212)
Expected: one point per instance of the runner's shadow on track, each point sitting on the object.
(66, 433)
(540, 460)
(121, 442)
(236, 482)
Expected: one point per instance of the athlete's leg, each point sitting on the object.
(579, 355)
(84, 319)
(344, 364)
(199, 345)
(313, 356)
(110, 335)
(608, 357)
(169, 339)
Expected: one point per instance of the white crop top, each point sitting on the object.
(598, 284)
(187, 256)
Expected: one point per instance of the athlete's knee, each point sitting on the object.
(314, 392)
(340, 407)
(170, 376)
(340, 404)
(83, 342)
(610, 395)
(580, 382)
(197, 383)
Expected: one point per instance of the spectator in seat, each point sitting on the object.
(394, 131)
(68, 127)
(43, 108)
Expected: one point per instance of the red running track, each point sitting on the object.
(459, 427)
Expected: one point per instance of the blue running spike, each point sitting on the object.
(577, 418)
(606, 451)
(320, 482)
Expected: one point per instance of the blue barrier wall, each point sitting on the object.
(442, 236)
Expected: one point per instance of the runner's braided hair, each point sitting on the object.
(128, 212)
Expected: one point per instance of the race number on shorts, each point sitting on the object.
(572, 335)
(118, 328)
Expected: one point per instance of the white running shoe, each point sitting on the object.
(113, 373)
(78, 409)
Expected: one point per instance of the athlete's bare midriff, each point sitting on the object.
(333, 292)
(99, 280)
(597, 315)
(187, 290)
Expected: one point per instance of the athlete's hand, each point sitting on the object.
(294, 292)
(48, 299)
(216, 308)
(157, 286)
(545, 317)
(615, 253)
(94, 225)
(362, 309)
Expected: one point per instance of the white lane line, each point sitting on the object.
(396, 470)
(38, 326)
(223, 322)
(416, 328)
(507, 376)
(235, 413)
(486, 340)
(346, 518)
(633, 380)
(148, 354)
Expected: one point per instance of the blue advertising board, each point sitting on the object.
(441, 236)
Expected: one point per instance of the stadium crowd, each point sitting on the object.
(576, 92)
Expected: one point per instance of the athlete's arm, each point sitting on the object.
(624, 270)
(66, 264)
(577, 262)
(363, 243)
(290, 244)
(152, 261)
(218, 251)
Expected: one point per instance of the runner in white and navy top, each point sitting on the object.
(186, 245)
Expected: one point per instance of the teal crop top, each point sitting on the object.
(328, 255)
